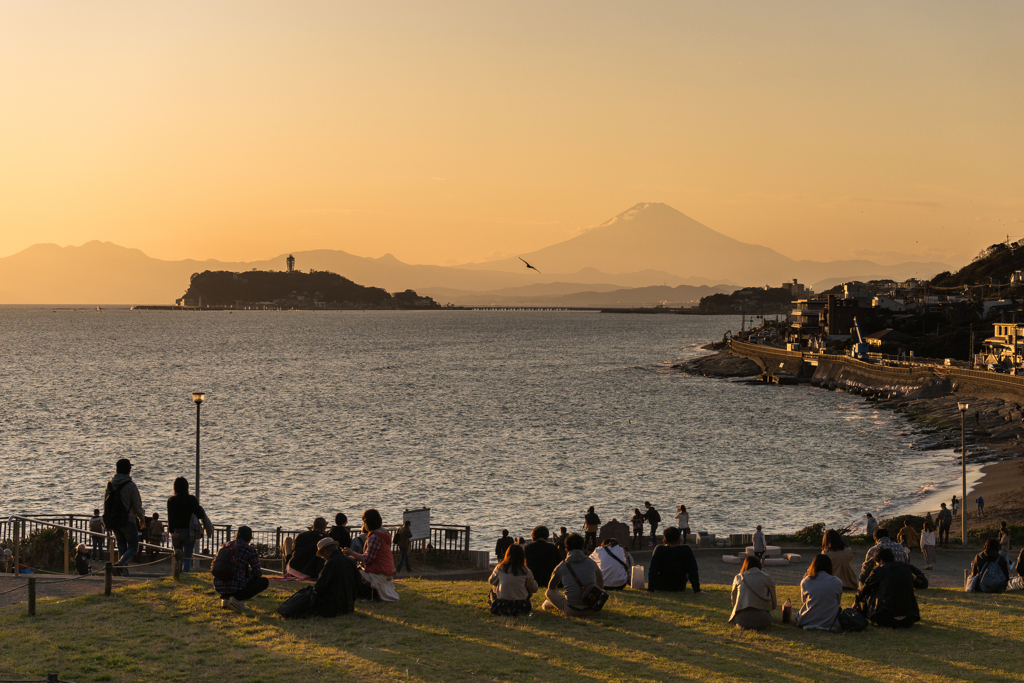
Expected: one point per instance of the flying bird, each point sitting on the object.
(527, 264)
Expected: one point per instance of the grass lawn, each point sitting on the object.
(440, 631)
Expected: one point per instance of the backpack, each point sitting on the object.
(653, 516)
(115, 512)
(96, 525)
(223, 566)
(993, 579)
(852, 619)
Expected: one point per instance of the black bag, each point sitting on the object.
(299, 605)
(223, 566)
(115, 513)
(851, 619)
(591, 595)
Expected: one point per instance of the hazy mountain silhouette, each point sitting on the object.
(656, 236)
(648, 245)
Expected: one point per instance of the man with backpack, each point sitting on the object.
(236, 572)
(96, 527)
(654, 519)
(122, 510)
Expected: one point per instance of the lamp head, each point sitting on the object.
(197, 397)
(962, 406)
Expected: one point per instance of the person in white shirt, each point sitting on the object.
(614, 562)
(928, 545)
(683, 522)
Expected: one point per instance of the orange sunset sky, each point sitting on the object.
(448, 132)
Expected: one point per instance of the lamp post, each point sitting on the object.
(963, 470)
(197, 398)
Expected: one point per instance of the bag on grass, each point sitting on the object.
(300, 604)
(851, 619)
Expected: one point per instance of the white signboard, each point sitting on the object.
(420, 526)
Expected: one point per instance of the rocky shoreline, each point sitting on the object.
(994, 428)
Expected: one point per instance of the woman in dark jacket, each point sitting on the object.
(180, 508)
(983, 559)
(887, 598)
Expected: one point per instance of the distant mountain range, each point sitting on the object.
(650, 247)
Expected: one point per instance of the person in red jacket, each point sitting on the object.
(376, 562)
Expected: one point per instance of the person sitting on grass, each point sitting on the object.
(841, 555)
(514, 585)
(541, 556)
(994, 566)
(304, 563)
(248, 580)
(614, 563)
(82, 559)
(336, 587)
(673, 565)
(882, 541)
(377, 562)
(887, 595)
(339, 532)
(576, 571)
(1017, 581)
(821, 595)
(753, 597)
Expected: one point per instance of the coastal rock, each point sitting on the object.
(723, 364)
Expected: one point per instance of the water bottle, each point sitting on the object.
(787, 611)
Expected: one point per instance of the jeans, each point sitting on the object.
(186, 545)
(256, 585)
(127, 542)
(97, 547)
(404, 558)
(943, 534)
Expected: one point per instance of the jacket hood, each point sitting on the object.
(575, 556)
(119, 479)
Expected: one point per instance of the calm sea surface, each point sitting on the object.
(492, 419)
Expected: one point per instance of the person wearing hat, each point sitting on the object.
(335, 589)
(82, 559)
(760, 547)
(248, 580)
(305, 563)
(122, 510)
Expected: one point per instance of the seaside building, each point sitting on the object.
(1004, 347)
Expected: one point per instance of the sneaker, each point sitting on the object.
(239, 606)
(224, 603)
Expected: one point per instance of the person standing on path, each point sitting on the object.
(122, 510)
(683, 522)
(591, 525)
(945, 520)
(96, 527)
(654, 519)
(403, 539)
(928, 545)
(180, 509)
(760, 547)
(502, 545)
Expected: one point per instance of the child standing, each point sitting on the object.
(82, 559)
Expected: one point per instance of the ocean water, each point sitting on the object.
(490, 418)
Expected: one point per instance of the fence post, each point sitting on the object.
(467, 541)
(17, 545)
(31, 596)
(108, 573)
(67, 551)
(280, 550)
(112, 547)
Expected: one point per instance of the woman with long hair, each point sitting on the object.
(514, 584)
(821, 595)
(683, 522)
(841, 555)
(753, 597)
(638, 528)
(180, 508)
(928, 544)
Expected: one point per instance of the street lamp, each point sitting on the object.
(197, 398)
(963, 470)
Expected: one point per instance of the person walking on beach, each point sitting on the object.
(502, 545)
(981, 506)
(760, 547)
(872, 524)
(683, 522)
(98, 542)
(591, 525)
(654, 519)
(403, 539)
(945, 520)
(122, 510)
(955, 505)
